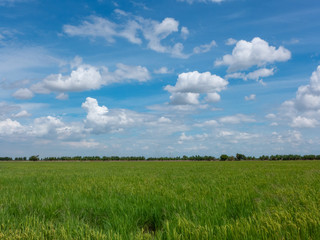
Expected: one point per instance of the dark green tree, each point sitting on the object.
(34, 158)
(224, 157)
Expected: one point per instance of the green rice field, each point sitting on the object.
(160, 200)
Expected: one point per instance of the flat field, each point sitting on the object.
(160, 200)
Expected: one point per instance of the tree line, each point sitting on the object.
(223, 157)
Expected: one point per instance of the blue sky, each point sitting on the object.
(159, 78)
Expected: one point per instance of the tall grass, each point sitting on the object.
(160, 200)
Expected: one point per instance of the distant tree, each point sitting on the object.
(34, 158)
(224, 157)
(240, 157)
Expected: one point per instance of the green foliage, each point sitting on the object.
(160, 200)
(240, 157)
(224, 157)
(34, 158)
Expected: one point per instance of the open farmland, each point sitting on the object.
(160, 200)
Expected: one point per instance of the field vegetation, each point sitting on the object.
(160, 200)
(223, 157)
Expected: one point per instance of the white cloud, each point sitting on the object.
(208, 123)
(86, 77)
(83, 144)
(304, 109)
(231, 41)
(190, 85)
(152, 31)
(251, 97)
(162, 70)
(198, 83)
(45, 126)
(62, 96)
(164, 120)
(184, 32)
(236, 136)
(21, 114)
(93, 27)
(236, 119)
(198, 137)
(308, 96)
(255, 75)
(99, 119)
(213, 97)
(183, 137)
(204, 48)
(10, 127)
(262, 72)
(181, 98)
(138, 73)
(255, 53)
(177, 51)
(303, 122)
(23, 93)
(130, 32)
(271, 116)
(292, 136)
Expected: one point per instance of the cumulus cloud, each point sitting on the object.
(183, 137)
(83, 78)
(10, 127)
(23, 93)
(293, 137)
(44, 126)
(99, 119)
(213, 97)
(251, 97)
(236, 136)
(204, 48)
(86, 77)
(308, 96)
(236, 119)
(190, 85)
(303, 122)
(181, 98)
(198, 137)
(255, 53)
(304, 109)
(231, 41)
(164, 120)
(48, 127)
